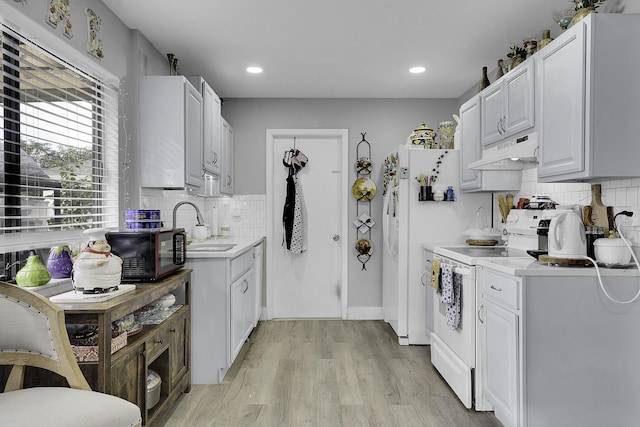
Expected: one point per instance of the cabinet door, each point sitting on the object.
(226, 168)
(237, 305)
(519, 99)
(179, 346)
(560, 104)
(248, 305)
(212, 131)
(257, 279)
(470, 146)
(193, 137)
(128, 377)
(492, 114)
(501, 345)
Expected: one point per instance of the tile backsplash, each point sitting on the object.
(622, 194)
(244, 214)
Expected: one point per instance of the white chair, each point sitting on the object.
(33, 333)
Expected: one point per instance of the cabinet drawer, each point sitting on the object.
(157, 342)
(241, 264)
(503, 290)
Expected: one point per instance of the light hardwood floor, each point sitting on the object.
(326, 373)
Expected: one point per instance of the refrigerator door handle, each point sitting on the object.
(385, 219)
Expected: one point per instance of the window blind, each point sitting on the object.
(59, 160)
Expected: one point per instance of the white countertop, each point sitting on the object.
(531, 267)
(430, 246)
(242, 244)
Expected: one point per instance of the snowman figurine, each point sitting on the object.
(96, 270)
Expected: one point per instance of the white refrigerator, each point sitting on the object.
(409, 223)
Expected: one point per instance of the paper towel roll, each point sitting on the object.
(214, 221)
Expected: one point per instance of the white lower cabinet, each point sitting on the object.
(242, 292)
(501, 343)
(501, 303)
(223, 309)
(258, 269)
(558, 351)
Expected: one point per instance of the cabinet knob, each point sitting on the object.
(336, 237)
(496, 289)
(479, 311)
(172, 330)
(160, 342)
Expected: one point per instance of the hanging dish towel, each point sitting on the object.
(454, 309)
(435, 274)
(446, 270)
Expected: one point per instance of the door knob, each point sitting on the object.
(336, 237)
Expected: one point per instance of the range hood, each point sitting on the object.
(515, 154)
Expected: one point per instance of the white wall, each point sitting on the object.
(387, 123)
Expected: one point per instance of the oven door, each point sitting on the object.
(453, 350)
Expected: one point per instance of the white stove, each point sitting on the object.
(453, 350)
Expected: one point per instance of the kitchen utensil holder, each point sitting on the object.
(426, 193)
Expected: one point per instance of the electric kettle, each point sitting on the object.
(567, 237)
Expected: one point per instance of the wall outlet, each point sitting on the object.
(404, 173)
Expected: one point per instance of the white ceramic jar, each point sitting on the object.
(611, 251)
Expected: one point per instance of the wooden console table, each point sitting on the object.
(164, 348)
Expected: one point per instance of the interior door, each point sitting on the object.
(308, 284)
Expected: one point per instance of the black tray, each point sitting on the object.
(536, 253)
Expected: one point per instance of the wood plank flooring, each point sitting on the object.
(326, 373)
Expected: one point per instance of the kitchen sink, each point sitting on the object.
(210, 247)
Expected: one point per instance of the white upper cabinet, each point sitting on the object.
(470, 147)
(588, 101)
(170, 125)
(211, 110)
(226, 168)
(508, 104)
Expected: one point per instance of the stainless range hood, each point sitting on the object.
(515, 154)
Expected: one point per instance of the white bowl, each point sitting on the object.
(482, 233)
(167, 301)
(611, 251)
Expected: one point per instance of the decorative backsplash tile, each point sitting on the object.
(622, 194)
(244, 214)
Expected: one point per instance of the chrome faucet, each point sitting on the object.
(198, 214)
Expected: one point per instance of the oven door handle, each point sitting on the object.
(462, 270)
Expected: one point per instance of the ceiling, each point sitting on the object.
(340, 48)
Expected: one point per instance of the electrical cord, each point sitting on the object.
(633, 255)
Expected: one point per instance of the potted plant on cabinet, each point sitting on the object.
(583, 8)
(517, 54)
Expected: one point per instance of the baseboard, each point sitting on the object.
(364, 313)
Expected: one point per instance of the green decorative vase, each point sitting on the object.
(34, 273)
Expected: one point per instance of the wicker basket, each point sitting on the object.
(89, 353)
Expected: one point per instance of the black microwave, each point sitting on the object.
(149, 255)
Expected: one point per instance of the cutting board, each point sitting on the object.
(79, 297)
(597, 213)
(565, 262)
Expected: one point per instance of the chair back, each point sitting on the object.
(33, 333)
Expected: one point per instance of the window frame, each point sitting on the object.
(105, 158)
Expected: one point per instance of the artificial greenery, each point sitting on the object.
(517, 51)
(581, 4)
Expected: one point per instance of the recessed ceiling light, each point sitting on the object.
(417, 70)
(254, 70)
